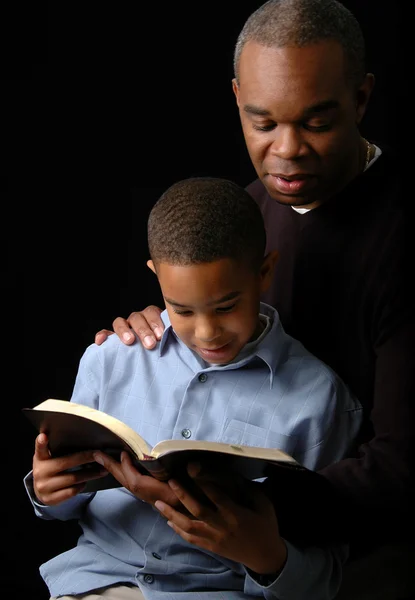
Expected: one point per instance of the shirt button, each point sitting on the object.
(148, 578)
(156, 555)
(186, 433)
(203, 377)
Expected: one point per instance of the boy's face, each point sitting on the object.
(213, 307)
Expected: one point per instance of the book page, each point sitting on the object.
(272, 454)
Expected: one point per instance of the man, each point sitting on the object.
(335, 211)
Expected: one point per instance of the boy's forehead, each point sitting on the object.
(203, 283)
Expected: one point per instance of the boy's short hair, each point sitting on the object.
(204, 219)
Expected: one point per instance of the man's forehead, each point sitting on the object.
(290, 62)
(309, 76)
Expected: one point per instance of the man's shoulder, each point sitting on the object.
(290, 351)
(256, 189)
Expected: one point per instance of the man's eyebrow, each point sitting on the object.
(226, 298)
(322, 107)
(251, 109)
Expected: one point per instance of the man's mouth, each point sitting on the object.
(294, 183)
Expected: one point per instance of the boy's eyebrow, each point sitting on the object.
(251, 109)
(226, 298)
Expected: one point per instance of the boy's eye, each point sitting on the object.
(182, 313)
(224, 309)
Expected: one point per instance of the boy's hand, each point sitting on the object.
(51, 484)
(144, 487)
(246, 535)
(146, 323)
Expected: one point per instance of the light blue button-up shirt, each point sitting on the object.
(275, 395)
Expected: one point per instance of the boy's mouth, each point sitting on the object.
(214, 353)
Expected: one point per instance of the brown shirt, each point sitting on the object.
(343, 287)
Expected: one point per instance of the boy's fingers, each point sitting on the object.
(41, 447)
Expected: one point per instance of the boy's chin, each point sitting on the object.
(223, 356)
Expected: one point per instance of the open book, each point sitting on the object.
(72, 427)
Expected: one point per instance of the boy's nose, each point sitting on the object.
(207, 330)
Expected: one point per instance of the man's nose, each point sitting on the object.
(287, 143)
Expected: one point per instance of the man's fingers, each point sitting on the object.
(102, 335)
(147, 324)
(123, 330)
(152, 316)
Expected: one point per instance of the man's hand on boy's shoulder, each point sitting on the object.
(146, 324)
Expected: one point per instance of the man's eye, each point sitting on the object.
(269, 127)
(182, 313)
(224, 309)
(317, 126)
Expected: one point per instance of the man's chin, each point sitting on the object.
(295, 201)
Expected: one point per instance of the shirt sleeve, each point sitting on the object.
(321, 575)
(340, 431)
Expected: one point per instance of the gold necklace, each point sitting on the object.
(368, 153)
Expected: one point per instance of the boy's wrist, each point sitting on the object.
(270, 567)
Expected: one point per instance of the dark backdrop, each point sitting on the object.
(106, 106)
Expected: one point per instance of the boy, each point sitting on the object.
(226, 371)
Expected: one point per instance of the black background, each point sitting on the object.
(105, 105)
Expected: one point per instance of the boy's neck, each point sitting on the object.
(258, 330)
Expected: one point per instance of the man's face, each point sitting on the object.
(300, 116)
(213, 307)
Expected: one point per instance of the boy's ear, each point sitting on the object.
(267, 269)
(151, 266)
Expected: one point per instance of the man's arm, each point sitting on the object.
(368, 498)
(379, 482)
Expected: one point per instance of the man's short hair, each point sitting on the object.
(282, 23)
(204, 219)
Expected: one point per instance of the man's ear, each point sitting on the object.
(151, 266)
(363, 96)
(235, 90)
(267, 269)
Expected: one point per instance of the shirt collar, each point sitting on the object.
(270, 349)
(168, 329)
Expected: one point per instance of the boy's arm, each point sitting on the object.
(70, 509)
(320, 569)
(249, 535)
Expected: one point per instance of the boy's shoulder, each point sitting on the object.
(114, 349)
